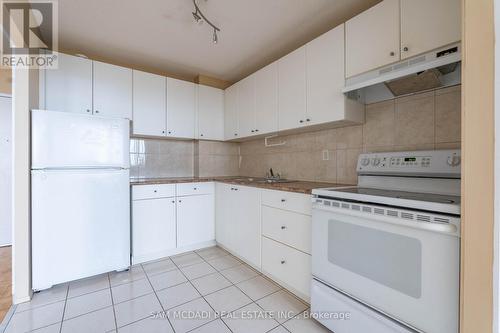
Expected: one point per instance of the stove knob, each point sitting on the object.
(376, 161)
(453, 160)
(365, 161)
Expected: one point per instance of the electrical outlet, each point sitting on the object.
(326, 155)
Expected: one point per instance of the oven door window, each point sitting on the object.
(390, 259)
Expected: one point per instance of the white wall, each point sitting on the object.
(5, 171)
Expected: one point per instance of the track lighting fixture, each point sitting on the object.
(199, 18)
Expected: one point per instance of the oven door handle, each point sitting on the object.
(444, 228)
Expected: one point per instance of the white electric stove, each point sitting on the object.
(387, 251)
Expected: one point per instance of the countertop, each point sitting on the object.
(290, 186)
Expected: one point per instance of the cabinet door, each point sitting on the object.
(246, 106)
(224, 227)
(149, 104)
(210, 113)
(325, 77)
(181, 108)
(153, 228)
(266, 99)
(69, 87)
(429, 24)
(245, 215)
(372, 38)
(231, 113)
(292, 89)
(195, 220)
(112, 90)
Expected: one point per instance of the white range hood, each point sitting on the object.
(437, 69)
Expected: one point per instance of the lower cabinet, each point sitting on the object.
(238, 226)
(169, 219)
(288, 266)
(153, 228)
(195, 219)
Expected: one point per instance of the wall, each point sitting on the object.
(428, 120)
(216, 159)
(151, 158)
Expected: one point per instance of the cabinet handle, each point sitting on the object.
(308, 119)
(162, 132)
(392, 54)
(301, 121)
(173, 201)
(201, 134)
(235, 134)
(283, 262)
(180, 201)
(88, 110)
(283, 200)
(96, 111)
(256, 130)
(195, 188)
(283, 227)
(406, 49)
(155, 191)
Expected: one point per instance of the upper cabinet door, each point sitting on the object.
(69, 87)
(372, 38)
(149, 104)
(112, 90)
(210, 113)
(292, 89)
(429, 24)
(266, 99)
(181, 108)
(246, 106)
(325, 77)
(231, 113)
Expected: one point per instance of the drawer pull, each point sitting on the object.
(283, 200)
(283, 227)
(173, 201)
(283, 262)
(155, 191)
(195, 188)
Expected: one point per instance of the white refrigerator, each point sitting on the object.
(80, 196)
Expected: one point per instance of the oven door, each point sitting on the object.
(407, 270)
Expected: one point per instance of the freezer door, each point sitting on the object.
(80, 224)
(68, 140)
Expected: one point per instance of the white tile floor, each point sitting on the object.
(229, 296)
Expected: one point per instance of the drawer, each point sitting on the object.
(287, 227)
(287, 265)
(141, 192)
(195, 188)
(295, 202)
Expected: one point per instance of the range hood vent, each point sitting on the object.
(434, 70)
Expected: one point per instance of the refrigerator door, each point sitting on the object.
(68, 140)
(80, 224)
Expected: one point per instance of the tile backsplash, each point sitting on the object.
(429, 120)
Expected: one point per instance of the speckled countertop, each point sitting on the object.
(289, 186)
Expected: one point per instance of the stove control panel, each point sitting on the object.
(445, 163)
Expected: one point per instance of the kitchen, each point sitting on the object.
(213, 195)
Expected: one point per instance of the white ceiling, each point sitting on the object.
(161, 35)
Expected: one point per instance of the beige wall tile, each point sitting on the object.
(347, 161)
(448, 116)
(379, 127)
(415, 120)
(349, 137)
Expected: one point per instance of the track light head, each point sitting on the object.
(215, 37)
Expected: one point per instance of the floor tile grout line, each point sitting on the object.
(64, 308)
(158, 298)
(215, 312)
(113, 302)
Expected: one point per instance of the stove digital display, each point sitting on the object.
(410, 159)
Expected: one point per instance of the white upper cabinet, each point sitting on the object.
(181, 108)
(231, 130)
(210, 113)
(266, 99)
(292, 89)
(112, 90)
(149, 104)
(429, 24)
(325, 77)
(373, 38)
(246, 106)
(69, 88)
